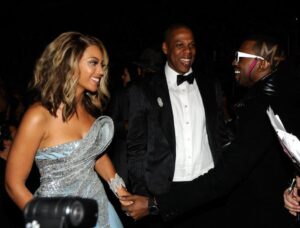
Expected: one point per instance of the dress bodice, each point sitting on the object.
(68, 169)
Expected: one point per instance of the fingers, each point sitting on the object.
(128, 198)
(127, 207)
(138, 207)
(134, 216)
(291, 203)
(295, 194)
(125, 202)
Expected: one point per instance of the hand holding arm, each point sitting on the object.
(106, 170)
(118, 187)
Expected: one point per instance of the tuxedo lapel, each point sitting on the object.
(165, 114)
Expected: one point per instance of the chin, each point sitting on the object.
(93, 89)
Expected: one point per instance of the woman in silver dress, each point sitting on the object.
(61, 130)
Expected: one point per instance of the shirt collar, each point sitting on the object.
(172, 74)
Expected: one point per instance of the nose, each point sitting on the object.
(100, 70)
(234, 63)
(188, 49)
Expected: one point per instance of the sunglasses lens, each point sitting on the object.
(236, 57)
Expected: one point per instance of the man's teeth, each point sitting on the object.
(186, 60)
(237, 72)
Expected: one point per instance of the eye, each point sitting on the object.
(192, 45)
(93, 62)
(103, 65)
(179, 45)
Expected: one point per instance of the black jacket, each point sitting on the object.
(251, 175)
(151, 134)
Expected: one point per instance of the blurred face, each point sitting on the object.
(90, 69)
(246, 64)
(180, 50)
(7, 144)
(125, 76)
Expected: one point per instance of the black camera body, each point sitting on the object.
(61, 212)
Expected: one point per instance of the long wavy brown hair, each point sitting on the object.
(55, 79)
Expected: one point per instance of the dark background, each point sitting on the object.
(127, 27)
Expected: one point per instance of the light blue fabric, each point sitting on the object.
(69, 170)
(113, 218)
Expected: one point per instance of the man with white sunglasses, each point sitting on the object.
(249, 79)
(253, 173)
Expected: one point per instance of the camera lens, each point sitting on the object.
(77, 213)
(59, 212)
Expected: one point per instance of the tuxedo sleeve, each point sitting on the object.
(235, 165)
(137, 140)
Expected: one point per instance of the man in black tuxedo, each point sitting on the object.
(176, 129)
(254, 171)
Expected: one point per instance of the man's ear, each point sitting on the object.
(164, 48)
(264, 65)
(263, 69)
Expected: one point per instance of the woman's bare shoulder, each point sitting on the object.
(36, 114)
(34, 127)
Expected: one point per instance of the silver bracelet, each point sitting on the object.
(116, 183)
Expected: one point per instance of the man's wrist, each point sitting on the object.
(152, 206)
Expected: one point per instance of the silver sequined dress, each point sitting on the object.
(68, 169)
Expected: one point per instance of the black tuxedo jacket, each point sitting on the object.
(151, 134)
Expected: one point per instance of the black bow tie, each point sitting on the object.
(181, 78)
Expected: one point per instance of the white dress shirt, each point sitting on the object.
(193, 154)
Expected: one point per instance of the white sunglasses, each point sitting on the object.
(239, 54)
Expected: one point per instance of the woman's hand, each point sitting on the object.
(123, 192)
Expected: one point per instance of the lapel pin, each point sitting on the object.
(160, 102)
